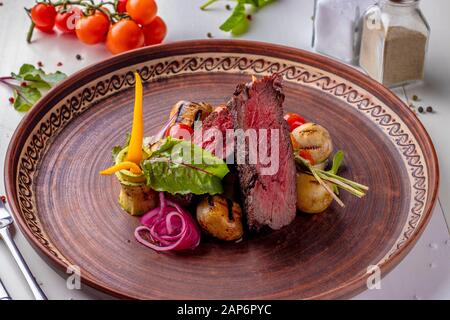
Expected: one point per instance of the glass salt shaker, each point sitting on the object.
(394, 42)
(337, 27)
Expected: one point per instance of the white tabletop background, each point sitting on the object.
(423, 274)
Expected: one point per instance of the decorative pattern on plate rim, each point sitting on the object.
(156, 70)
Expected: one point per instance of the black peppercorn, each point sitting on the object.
(420, 109)
(430, 109)
(78, 56)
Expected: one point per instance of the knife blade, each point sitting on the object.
(4, 295)
(5, 221)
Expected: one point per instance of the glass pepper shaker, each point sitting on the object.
(337, 27)
(394, 42)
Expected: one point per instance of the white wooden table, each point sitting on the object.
(423, 274)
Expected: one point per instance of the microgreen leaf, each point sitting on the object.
(29, 84)
(25, 98)
(235, 19)
(37, 78)
(207, 4)
(237, 23)
(259, 3)
(253, 2)
(337, 162)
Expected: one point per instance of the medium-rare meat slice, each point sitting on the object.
(214, 130)
(268, 199)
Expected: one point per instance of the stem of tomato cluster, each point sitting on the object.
(105, 12)
(68, 2)
(83, 3)
(30, 32)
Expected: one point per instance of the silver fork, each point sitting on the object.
(5, 222)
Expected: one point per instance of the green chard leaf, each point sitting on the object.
(180, 167)
(25, 98)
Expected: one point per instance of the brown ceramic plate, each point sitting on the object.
(71, 215)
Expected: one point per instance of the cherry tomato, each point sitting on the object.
(180, 131)
(155, 32)
(122, 6)
(294, 120)
(142, 11)
(92, 29)
(48, 29)
(43, 16)
(305, 154)
(123, 36)
(66, 20)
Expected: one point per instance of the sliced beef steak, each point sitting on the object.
(268, 199)
(214, 131)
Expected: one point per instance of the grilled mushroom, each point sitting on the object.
(220, 217)
(311, 196)
(188, 112)
(313, 138)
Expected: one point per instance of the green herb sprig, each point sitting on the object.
(356, 189)
(29, 84)
(238, 22)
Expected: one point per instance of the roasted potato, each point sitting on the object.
(220, 217)
(313, 138)
(311, 196)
